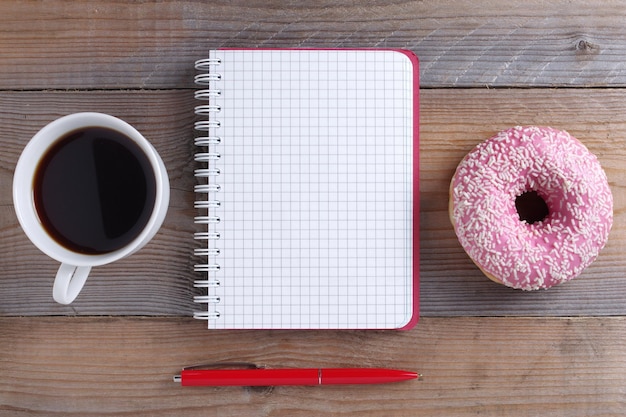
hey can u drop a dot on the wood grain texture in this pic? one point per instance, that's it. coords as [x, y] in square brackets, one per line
[453, 121]
[471, 366]
[112, 44]
[134, 60]
[157, 280]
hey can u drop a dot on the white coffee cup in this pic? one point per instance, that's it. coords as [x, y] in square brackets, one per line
[76, 265]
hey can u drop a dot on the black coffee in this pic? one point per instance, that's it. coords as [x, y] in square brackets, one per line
[94, 190]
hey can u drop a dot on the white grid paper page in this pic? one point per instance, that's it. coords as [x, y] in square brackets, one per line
[315, 189]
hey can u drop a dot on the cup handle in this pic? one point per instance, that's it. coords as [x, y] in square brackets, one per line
[68, 282]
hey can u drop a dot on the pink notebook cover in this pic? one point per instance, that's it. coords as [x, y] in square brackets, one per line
[309, 188]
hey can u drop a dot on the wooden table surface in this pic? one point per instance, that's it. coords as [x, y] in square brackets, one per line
[483, 349]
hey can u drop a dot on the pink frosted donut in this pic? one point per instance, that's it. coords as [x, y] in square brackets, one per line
[531, 207]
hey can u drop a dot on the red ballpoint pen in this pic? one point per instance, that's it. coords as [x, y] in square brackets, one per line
[303, 376]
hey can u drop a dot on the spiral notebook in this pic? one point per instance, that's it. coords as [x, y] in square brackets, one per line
[307, 189]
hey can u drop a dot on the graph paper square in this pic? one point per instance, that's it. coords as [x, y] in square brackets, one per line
[316, 189]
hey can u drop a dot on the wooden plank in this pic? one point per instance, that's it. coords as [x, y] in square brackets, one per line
[157, 280]
[471, 366]
[453, 121]
[109, 44]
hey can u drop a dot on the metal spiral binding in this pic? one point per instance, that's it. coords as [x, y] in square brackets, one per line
[206, 252]
[207, 141]
[207, 172]
[208, 188]
[207, 204]
[207, 156]
[206, 315]
[206, 219]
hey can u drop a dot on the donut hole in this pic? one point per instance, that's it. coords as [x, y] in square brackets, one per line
[531, 207]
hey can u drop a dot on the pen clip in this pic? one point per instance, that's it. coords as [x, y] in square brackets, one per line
[228, 365]
[224, 365]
